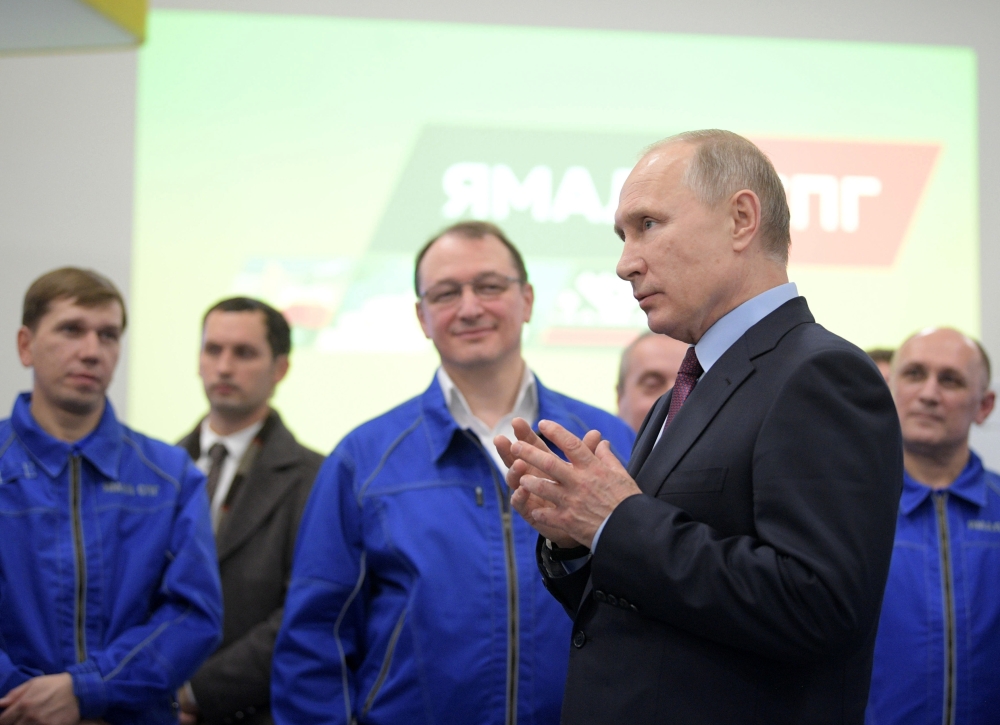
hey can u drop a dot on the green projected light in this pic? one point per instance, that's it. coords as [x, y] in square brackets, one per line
[304, 160]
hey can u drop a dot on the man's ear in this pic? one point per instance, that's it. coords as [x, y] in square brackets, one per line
[280, 368]
[420, 318]
[986, 406]
[24, 338]
[528, 293]
[744, 211]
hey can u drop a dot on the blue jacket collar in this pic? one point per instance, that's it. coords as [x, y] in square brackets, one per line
[101, 447]
[969, 486]
[441, 426]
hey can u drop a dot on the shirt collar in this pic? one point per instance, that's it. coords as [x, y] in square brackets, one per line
[236, 443]
[526, 406]
[101, 447]
[969, 486]
[731, 327]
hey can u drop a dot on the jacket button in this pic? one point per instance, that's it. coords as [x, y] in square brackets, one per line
[579, 639]
[633, 607]
[600, 596]
[239, 715]
[623, 603]
[612, 600]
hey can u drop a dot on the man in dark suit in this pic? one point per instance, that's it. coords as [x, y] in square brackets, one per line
[259, 478]
[734, 572]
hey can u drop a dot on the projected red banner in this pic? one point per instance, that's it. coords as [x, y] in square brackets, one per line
[851, 203]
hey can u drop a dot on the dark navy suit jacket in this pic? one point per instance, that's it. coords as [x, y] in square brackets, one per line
[744, 585]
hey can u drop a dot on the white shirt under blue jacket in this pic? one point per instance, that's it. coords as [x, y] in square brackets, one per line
[415, 595]
[937, 654]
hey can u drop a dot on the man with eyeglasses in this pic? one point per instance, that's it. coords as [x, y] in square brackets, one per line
[415, 595]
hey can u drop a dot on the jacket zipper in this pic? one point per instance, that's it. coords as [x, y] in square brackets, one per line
[513, 612]
[386, 663]
[947, 586]
[76, 522]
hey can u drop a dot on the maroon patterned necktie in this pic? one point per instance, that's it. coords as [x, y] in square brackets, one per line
[687, 376]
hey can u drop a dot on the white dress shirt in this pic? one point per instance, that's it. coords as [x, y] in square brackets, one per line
[526, 407]
[236, 444]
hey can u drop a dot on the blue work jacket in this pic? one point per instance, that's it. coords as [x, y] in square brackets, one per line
[107, 567]
[415, 596]
[937, 654]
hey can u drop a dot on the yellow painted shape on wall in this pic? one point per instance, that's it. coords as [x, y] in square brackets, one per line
[129, 14]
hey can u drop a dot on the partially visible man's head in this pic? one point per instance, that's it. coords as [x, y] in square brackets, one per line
[71, 327]
[244, 355]
[473, 295]
[882, 357]
[702, 215]
[940, 382]
[648, 369]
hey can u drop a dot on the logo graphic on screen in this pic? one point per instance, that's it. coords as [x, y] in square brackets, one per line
[851, 202]
[555, 194]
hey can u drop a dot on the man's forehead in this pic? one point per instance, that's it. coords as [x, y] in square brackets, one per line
[454, 253]
[940, 348]
[660, 349]
[658, 174]
[236, 323]
[67, 308]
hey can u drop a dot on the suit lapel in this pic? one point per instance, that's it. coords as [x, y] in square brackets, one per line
[648, 432]
[708, 396]
[265, 486]
[656, 462]
[192, 443]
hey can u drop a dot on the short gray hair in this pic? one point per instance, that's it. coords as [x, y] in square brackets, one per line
[724, 163]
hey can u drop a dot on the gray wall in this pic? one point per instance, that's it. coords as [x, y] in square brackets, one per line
[66, 122]
[66, 165]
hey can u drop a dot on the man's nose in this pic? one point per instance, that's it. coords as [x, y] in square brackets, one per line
[629, 264]
[469, 304]
[90, 346]
[224, 362]
[930, 392]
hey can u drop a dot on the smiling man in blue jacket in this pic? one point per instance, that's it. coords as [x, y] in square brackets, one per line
[109, 591]
[414, 593]
[939, 634]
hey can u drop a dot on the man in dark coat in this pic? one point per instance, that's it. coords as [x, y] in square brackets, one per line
[734, 572]
[259, 478]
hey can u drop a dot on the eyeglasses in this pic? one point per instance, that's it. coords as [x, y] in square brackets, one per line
[487, 286]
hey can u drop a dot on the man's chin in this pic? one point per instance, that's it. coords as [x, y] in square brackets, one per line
[81, 405]
[921, 443]
[232, 411]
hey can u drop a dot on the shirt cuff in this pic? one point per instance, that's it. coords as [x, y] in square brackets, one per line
[189, 691]
[593, 544]
[88, 686]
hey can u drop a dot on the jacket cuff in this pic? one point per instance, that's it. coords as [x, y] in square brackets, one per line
[88, 686]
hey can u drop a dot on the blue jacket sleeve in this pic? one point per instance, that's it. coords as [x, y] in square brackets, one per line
[148, 662]
[321, 640]
[12, 675]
